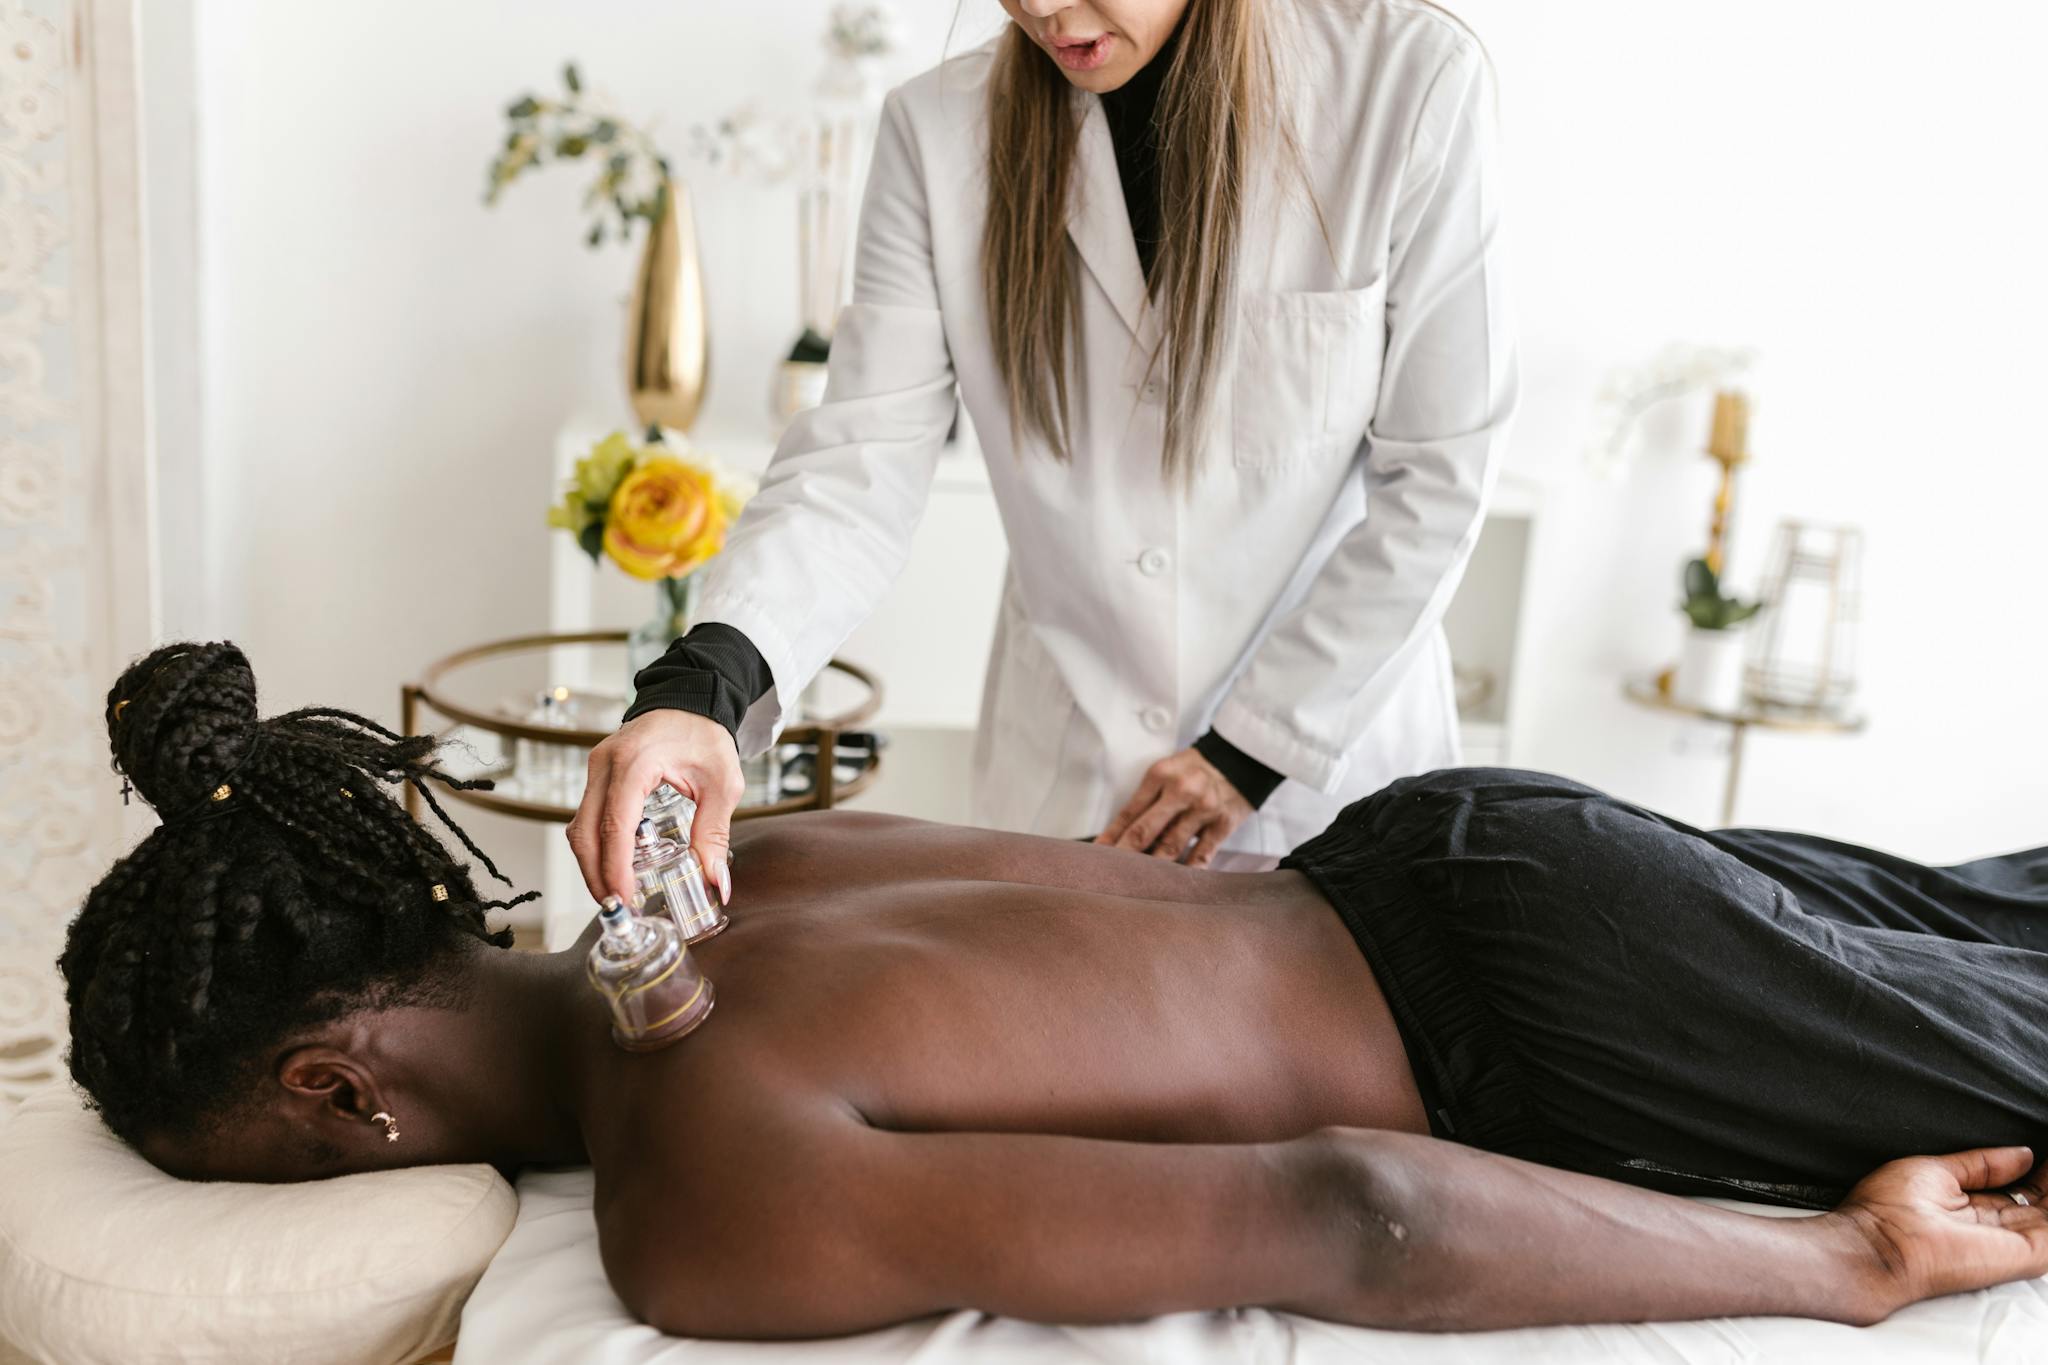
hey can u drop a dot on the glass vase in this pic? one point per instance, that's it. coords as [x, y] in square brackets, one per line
[675, 602]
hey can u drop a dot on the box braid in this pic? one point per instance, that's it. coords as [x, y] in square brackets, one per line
[284, 887]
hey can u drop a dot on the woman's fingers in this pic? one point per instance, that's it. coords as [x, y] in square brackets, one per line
[696, 755]
[1144, 830]
[718, 795]
[1182, 832]
[625, 798]
[1148, 790]
[1204, 851]
[1182, 800]
[582, 831]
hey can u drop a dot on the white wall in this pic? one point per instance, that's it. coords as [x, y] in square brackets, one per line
[1855, 191]
[1846, 188]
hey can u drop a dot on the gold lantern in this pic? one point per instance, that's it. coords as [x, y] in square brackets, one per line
[1802, 653]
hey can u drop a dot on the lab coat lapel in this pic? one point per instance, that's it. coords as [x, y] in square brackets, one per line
[1101, 226]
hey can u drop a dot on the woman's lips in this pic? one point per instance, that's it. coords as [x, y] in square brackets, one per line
[1084, 56]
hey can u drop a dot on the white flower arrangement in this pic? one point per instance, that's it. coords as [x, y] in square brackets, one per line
[856, 31]
[1626, 394]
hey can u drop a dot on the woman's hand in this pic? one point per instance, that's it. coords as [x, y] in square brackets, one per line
[1934, 1225]
[1182, 800]
[692, 753]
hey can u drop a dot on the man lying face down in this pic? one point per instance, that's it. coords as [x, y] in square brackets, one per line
[954, 1069]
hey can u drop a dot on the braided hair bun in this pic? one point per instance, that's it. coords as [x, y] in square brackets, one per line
[284, 887]
[181, 721]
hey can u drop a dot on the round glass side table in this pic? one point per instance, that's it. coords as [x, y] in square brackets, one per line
[508, 714]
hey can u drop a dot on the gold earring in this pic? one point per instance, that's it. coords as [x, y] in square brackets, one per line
[390, 1125]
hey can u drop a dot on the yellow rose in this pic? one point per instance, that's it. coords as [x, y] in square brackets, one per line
[666, 519]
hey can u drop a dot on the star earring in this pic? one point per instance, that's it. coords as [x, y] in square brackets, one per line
[390, 1125]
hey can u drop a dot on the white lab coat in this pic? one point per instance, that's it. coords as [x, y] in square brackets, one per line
[1293, 597]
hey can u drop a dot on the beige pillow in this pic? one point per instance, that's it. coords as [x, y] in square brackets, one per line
[104, 1258]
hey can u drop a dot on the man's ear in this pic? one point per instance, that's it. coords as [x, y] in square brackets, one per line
[332, 1079]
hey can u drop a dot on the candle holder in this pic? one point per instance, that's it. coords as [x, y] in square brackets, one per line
[1728, 446]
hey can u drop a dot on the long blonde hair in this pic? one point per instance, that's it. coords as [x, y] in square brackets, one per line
[1205, 144]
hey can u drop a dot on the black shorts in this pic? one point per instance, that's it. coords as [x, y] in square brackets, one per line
[1761, 1015]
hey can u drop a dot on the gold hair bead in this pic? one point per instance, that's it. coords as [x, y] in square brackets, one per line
[349, 794]
[223, 792]
[440, 892]
[119, 707]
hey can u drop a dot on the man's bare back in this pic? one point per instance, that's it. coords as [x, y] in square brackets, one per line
[933, 979]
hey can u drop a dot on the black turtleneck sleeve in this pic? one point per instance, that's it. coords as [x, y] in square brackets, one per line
[713, 671]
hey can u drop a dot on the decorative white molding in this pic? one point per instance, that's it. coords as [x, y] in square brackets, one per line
[76, 565]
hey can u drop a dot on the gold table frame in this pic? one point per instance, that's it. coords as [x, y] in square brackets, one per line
[1653, 692]
[426, 695]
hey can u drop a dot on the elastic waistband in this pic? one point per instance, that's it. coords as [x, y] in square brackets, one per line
[1471, 1084]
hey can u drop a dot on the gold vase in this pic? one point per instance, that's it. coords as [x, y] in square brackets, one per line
[668, 349]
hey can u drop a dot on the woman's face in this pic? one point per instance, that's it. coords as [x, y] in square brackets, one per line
[1098, 44]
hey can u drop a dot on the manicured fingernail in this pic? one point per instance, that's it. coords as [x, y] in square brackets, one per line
[722, 874]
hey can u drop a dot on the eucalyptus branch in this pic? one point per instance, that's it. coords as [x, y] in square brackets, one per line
[633, 180]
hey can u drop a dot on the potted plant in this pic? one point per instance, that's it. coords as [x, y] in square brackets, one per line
[1709, 672]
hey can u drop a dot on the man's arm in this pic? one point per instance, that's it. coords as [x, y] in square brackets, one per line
[864, 1227]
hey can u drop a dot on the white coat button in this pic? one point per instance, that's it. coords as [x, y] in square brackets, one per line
[1154, 562]
[1157, 719]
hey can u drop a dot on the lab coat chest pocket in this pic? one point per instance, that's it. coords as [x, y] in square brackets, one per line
[1308, 374]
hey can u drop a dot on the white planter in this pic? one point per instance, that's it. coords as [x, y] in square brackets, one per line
[1710, 670]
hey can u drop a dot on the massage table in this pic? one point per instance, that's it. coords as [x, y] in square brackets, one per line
[544, 1300]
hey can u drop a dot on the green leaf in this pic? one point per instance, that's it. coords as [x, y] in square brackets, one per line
[596, 237]
[605, 131]
[572, 78]
[572, 145]
[526, 107]
[1700, 580]
[592, 541]
[811, 347]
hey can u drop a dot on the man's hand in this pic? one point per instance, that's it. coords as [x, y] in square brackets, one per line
[692, 753]
[1945, 1225]
[1182, 800]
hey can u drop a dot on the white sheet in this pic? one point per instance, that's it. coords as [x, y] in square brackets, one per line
[545, 1301]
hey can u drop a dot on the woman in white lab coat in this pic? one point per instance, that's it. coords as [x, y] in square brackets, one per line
[1218, 282]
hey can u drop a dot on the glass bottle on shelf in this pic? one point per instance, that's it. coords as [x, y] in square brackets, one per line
[544, 770]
